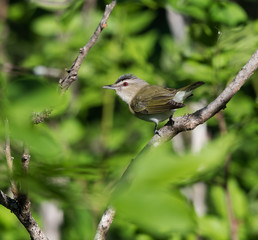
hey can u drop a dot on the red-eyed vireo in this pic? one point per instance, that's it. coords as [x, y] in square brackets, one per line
[151, 102]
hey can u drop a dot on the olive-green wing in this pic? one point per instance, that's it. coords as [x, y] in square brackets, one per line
[154, 99]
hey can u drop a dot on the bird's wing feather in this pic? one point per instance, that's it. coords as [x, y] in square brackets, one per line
[154, 100]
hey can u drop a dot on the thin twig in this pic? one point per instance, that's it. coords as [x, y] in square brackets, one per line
[72, 76]
[9, 159]
[8, 154]
[26, 159]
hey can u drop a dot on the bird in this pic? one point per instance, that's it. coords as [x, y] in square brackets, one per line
[148, 102]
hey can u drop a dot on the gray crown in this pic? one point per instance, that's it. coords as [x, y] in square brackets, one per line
[125, 76]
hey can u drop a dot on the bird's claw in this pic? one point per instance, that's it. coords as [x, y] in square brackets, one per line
[156, 132]
[170, 122]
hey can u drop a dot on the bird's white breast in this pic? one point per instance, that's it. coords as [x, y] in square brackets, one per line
[159, 117]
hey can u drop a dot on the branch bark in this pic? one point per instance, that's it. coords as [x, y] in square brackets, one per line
[20, 204]
[23, 213]
[191, 121]
[72, 76]
[104, 224]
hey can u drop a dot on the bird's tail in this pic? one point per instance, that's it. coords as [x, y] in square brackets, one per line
[191, 87]
[186, 92]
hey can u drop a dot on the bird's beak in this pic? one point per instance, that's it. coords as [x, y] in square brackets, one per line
[109, 87]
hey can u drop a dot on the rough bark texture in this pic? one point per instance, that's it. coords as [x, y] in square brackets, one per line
[21, 208]
[104, 224]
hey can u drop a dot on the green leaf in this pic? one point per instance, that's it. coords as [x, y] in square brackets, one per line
[240, 107]
[47, 97]
[46, 26]
[132, 23]
[71, 131]
[140, 48]
[198, 71]
[157, 211]
[177, 169]
[218, 199]
[238, 199]
[228, 13]
[39, 138]
[16, 11]
[195, 9]
[222, 59]
[213, 226]
[142, 196]
[53, 5]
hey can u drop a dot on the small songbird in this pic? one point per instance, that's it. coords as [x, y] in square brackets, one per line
[151, 102]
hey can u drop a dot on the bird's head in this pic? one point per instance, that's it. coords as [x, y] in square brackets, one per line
[127, 86]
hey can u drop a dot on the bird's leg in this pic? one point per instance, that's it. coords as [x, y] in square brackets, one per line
[155, 129]
[170, 121]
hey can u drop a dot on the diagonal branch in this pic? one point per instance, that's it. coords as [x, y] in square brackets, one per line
[20, 205]
[72, 73]
[72, 76]
[191, 121]
[104, 224]
[24, 215]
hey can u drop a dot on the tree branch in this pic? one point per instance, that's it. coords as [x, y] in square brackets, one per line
[191, 121]
[72, 76]
[20, 204]
[104, 224]
[8, 202]
[24, 215]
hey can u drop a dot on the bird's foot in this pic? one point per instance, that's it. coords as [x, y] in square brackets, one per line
[156, 132]
[155, 129]
[170, 122]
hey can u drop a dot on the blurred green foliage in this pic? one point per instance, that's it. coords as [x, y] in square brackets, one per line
[79, 153]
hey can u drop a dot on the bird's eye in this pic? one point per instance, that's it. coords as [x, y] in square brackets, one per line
[125, 84]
